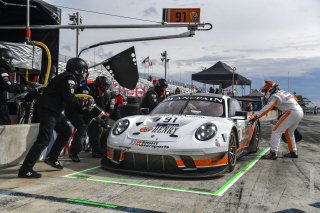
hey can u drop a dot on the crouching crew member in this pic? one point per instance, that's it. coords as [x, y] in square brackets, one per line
[58, 93]
[97, 129]
[292, 115]
[80, 119]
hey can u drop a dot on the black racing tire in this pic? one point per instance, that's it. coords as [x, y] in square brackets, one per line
[255, 140]
[232, 152]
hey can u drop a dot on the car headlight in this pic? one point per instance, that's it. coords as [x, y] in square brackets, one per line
[120, 126]
[206, 131]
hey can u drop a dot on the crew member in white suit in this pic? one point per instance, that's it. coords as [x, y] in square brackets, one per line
[292, 115]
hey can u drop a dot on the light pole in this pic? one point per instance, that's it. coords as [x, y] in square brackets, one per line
[165, 59]
[76, 20]
[233, 70]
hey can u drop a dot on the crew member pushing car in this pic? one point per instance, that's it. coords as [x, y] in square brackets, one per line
[292, 115]
[58, 93]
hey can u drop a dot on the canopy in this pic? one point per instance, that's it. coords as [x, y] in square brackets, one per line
[220, 74]
[13, 12]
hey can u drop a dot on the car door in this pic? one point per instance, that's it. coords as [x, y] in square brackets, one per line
[243, 129]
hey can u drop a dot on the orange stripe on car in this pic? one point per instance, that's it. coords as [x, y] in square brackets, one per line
[110, 154]
[121, 158]
[211, 162]
[290, 147]
[270, 108]
[180, 163]
[250, 133]
[241, 146]
[281, 120]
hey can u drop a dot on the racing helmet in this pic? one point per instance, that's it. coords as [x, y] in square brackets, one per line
[161, 85]
[6, 58]
[79, 68]
[102, 83]
[269, 88]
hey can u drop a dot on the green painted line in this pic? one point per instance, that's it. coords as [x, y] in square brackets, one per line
[242, 171]
[92, 203]
[218, 192]
[150, 186]
[81, 172]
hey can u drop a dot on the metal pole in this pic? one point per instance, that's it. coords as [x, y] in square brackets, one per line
[182, 35]
[233, 70]
[129, 26]
[77, 36]
[28, 32]
[165, 65]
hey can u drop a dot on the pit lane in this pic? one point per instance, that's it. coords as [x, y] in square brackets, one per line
[213, 187]
[267, 186]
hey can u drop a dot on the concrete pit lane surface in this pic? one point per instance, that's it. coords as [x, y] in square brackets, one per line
[256, 185]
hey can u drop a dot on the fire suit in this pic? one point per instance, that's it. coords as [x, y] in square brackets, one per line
[151, 99]
[292, 115]
[58, 94]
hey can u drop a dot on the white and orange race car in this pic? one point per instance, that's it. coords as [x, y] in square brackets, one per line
[188, 135]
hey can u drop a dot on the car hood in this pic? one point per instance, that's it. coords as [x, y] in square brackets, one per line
[167, 128]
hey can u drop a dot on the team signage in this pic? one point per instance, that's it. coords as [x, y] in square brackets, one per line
[181, 15]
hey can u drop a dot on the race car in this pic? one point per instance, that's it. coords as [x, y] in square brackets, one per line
[186, 135]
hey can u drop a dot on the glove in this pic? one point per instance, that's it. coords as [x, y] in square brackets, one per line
[253, 120]
[105, 116]
[103, 120]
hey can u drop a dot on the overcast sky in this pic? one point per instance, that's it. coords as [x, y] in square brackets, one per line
[263, 39]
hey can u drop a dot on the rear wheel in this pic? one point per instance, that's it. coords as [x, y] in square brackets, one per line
[232, 152]
[255, 140]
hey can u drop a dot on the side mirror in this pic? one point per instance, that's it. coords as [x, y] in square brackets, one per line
[240, 115]
[144, 111]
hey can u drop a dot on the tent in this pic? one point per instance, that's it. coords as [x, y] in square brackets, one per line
[220, 74]
[13, 12]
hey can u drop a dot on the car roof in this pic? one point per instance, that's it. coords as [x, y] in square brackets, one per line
[201, 94]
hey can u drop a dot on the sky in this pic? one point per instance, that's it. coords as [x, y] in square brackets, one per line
[263, 39]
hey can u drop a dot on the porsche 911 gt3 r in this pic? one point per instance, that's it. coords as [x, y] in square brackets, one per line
[189, 135]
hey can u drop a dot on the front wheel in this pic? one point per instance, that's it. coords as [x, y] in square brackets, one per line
[232, 152]
[255, 140]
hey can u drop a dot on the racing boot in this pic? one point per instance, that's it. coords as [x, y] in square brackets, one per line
[28, 174]
[54, 163]
[291, 155]
[272, 155]
[74, 157]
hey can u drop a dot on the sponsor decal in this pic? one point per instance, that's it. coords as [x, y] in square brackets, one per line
[165, 129]
[148, 144]
[198, 98]
[146, 129]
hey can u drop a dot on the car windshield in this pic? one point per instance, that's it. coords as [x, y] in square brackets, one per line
[190, 107]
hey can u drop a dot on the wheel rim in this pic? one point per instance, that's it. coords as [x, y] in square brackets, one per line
[232, 150]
